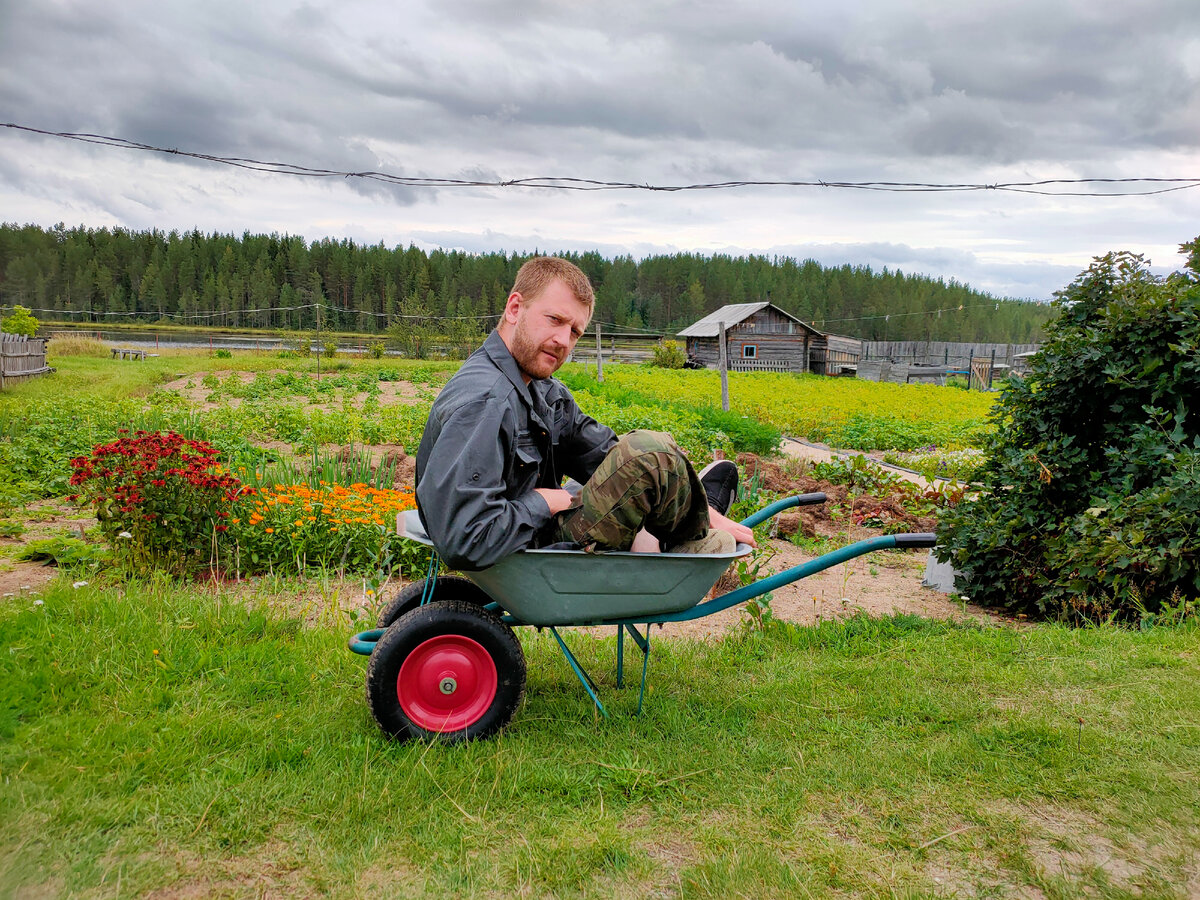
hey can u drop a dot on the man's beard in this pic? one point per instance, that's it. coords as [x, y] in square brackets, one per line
[529, 355]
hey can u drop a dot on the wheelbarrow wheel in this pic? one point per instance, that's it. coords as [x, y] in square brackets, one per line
[449, 587]
[449, 670]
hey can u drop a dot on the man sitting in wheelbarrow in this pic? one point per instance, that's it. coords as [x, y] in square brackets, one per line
[503, 434]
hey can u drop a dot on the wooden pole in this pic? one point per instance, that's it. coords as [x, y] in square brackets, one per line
[724, 364]
[599, 356]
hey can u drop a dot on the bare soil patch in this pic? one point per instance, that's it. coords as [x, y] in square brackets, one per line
[20, 579]
[42, 520]
[879, 584]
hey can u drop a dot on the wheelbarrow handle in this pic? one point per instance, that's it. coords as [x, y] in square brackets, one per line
[780, 505]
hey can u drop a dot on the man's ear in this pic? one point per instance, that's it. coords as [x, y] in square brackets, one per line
[512, 306]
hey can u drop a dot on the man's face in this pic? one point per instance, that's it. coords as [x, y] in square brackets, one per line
[546, 330]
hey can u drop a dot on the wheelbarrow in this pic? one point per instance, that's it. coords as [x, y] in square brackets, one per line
[445, 662]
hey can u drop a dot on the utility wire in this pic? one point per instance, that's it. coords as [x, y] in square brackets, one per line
[570, 183]
[244, 311]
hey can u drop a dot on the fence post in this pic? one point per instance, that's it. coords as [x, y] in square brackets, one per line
[724, 358]
[599, 356]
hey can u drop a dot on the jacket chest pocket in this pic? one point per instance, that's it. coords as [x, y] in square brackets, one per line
[527, 464]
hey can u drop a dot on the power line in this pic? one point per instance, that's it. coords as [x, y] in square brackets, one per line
[244, 311]
[572, 183]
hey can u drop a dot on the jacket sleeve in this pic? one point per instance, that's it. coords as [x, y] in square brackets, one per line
[583, 444]
[461, 492]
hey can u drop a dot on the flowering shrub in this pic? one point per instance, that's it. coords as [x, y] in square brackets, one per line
[159, 497]
[297, 527]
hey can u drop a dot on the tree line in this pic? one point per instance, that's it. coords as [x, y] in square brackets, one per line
[285, 282]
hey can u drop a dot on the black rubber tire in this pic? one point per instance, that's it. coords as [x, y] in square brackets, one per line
[449, 587]
[445, 619]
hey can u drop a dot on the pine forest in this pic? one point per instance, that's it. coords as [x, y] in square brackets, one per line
[283, 282]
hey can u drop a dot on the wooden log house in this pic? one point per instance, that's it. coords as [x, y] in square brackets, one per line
[762, 337]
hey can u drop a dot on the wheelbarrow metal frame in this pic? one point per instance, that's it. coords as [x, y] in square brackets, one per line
[672, 595]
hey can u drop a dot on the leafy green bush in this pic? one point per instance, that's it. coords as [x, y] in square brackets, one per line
[668, 355]
[21, 321]
[222, 353]
[1092, 490]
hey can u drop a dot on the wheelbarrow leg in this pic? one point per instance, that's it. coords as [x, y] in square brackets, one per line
[430, 579]
[620, 656]
[584, 678]
[643, 644]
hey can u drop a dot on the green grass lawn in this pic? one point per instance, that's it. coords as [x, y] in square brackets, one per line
[158, 737]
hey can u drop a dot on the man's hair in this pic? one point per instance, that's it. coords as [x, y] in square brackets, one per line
[538, 272]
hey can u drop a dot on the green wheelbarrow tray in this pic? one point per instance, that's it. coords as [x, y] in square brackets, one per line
[572, 587]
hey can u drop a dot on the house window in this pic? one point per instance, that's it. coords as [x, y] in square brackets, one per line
[749, 351]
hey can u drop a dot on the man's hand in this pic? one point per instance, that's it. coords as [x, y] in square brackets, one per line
[740, 532]
[557, 500]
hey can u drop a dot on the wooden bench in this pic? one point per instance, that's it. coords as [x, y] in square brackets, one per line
[130, 353]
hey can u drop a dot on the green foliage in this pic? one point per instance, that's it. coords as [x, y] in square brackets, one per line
[376, 350]
[329, 349]
[65, 552]
[20, 321]
[669, 355]
[951, 465]
[750, 570]
[1092, 486]
[699, 429]
[222, 353]
[843, 412]
[859, 472]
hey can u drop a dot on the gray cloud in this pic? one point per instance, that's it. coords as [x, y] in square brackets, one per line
[625, 90]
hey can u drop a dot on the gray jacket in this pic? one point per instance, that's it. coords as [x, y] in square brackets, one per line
[490, 440]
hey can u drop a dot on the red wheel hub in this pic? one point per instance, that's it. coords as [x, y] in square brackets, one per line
[446, 683]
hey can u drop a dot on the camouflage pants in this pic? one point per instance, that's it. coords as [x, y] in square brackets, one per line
[645, 481]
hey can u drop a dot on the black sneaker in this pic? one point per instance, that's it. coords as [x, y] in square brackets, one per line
[720, 484]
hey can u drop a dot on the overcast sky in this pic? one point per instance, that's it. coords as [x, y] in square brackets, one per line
[647, 92]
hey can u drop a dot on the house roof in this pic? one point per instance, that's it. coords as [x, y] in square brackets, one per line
[733, 314]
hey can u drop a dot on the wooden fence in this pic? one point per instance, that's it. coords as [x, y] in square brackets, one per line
[21, 357]
[951, 354]
[762, 365]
